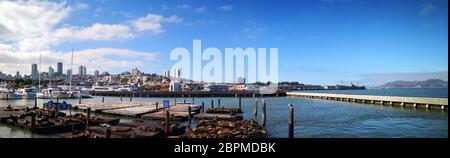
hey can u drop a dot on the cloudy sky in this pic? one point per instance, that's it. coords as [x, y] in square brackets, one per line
[320, 41]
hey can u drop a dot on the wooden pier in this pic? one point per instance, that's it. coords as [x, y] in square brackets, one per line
[415, 102]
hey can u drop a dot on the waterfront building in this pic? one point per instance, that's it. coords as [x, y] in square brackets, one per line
[174, 86]
[96, 74]
[51, 71]
[34, 72]
[240, 80]
[80, 70]
[217, 88]
[60, 69]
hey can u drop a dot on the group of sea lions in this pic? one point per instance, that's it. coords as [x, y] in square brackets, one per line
[227, 129]
[223, 110]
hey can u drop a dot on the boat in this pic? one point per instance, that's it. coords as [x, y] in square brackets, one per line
[54, 92]
[6, 93]
[27, 93]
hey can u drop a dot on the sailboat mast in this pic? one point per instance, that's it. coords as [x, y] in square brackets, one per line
[70, 77]
[39, 73]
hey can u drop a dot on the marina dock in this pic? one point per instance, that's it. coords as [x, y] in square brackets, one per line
[415, 102]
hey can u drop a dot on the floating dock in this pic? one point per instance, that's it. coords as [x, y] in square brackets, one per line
[100, 107]
[415, 102]
[135, 111]
[14, 111]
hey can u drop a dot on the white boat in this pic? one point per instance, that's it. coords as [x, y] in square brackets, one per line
[27, 93]
[53, 93]
[101, 88]
[6, 92]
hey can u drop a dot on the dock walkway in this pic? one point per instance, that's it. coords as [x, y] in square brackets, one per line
[416, 102]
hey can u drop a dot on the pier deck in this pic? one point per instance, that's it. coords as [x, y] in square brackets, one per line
[135, 111]
[416, 102]
[99, 107]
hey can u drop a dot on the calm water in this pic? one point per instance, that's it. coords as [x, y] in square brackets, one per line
[321, 118]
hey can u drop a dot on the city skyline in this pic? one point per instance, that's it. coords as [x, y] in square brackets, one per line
[391, 40]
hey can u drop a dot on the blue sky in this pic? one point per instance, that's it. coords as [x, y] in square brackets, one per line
[319, 42]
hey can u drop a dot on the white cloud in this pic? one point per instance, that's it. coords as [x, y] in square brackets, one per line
[5, 47]
[95, 32]
[184, 6]
[426, 9]
[226, 8]
[200, 10]
[153, 23]
[30, 28]
[30, 25]
[81, 6]
[24, 19]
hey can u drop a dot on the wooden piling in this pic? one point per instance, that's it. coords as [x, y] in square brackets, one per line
[157, 107]
[264, 113]
[240, 102]
[190, 114]
[255, 109]
[291, 121]
[212, 103]
[192, 102]
[218, 104]
[121, 99]
[33, 122]
[35, 102]
[88, 117]
[79, 100]
[203, 107]
[103, 99]
[131, 98]
[167, 122]
[107, 132]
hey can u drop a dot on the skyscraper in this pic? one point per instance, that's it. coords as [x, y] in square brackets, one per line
[60, 68]
[96, 73]
[51, 71]
[84, 71]
[17, 75]
[34, 71]
[80, 70]
[69, 73]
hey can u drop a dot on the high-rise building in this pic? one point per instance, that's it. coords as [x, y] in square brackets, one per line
[96, 73]
[17, 75]
[69, 73]
[60, 68]
[80, 70]
[34, 72]
[84, 71]
[51, 71]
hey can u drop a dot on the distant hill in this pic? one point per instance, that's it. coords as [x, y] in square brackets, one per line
[431, 83]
